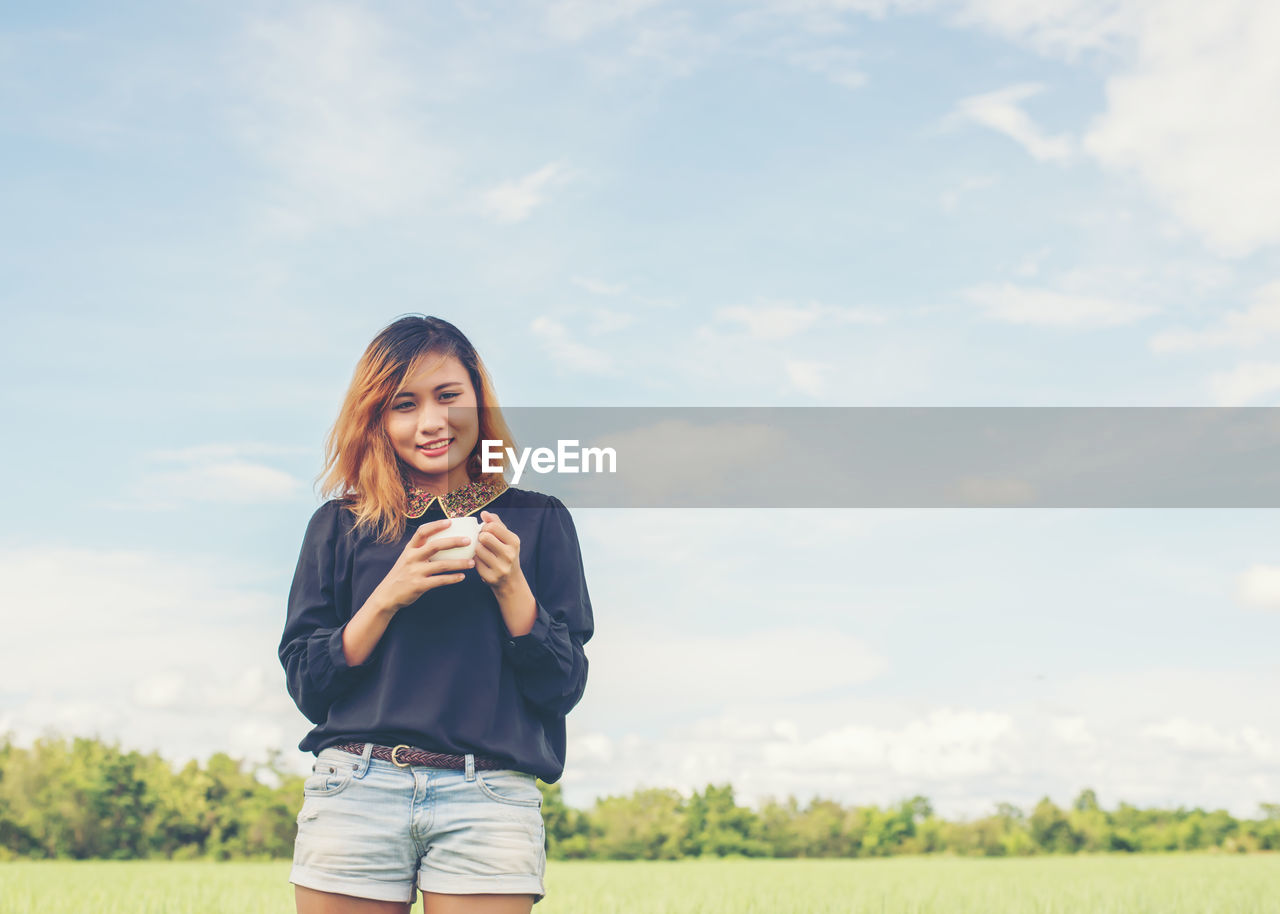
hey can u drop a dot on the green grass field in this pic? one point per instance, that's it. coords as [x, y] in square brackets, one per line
[1173, 884]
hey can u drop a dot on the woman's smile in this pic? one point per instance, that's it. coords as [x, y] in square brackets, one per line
[435, 448]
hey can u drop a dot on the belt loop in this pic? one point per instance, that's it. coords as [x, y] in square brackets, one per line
[471, 767]
[363, 765]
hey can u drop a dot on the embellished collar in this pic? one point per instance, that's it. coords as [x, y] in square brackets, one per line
[458, 503]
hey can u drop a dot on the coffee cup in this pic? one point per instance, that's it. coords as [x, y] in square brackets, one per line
[458, 526]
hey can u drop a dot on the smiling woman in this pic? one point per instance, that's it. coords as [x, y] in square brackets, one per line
[433, 425]
[409, 378]
[438, 685]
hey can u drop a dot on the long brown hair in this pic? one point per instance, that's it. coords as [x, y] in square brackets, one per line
[361, 465]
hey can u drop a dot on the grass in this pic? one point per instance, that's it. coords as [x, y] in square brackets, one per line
[1164, 884]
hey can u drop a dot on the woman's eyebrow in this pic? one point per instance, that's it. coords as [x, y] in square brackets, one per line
[409, 393]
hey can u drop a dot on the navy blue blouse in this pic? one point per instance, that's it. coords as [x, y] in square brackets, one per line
[446, 675]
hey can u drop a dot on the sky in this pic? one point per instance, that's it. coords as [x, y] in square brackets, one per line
[209, 209]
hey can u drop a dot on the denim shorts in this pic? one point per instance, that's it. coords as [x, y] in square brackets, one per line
[372, 829]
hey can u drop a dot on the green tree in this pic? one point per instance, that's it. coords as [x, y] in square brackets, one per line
[568, 829]
[1087, 801]
[1051, 830]
[1267, 830]
[1093, 829]
[718, 827]
[778, 827]
[821, 830]
[81, 798]
[648, 825]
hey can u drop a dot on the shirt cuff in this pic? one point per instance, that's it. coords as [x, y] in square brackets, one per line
[338, 657]
[522, 649]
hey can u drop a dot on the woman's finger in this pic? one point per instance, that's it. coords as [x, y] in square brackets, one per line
[508, 544]
[493, 561]
[440, 580]
[493, 522]
[497, 547]
[501, 533]
[441, 566]
[445, 542]
[420, 535]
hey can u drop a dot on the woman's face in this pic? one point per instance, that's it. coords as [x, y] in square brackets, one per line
[419, 415]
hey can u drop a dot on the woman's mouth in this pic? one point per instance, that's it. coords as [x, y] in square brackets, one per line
[435, 448]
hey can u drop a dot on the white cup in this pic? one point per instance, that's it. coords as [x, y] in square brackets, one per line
[458, 526]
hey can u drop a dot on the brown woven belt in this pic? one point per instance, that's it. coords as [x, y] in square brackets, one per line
[404, 756]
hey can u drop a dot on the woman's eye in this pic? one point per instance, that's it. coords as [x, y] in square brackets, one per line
[408, 403]
[450, 394]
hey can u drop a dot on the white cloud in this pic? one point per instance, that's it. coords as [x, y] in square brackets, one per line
[514, 201]
[250, 739]
[621, 534]
[202, 453]
[948, 200]
[939, 752]
[1044, 307]
[229, 481]
[1193, 118]
[1189, 113]
[249, 688]
[670, 41]
[159, 690]
[946, 743]
[1246, 383]
[1198, 738]
[120, 621]
[573, 20]
[1260, 586]
[598, 287]
[1189, 108]
[780, 319]
[838, 64]
[567, 352]
[210, 473]
[1030, 264]
[709, 670]
[1153, 737]
[1247, 328]
[1060, 28]
[1074, 731]
[740, 360]
[605, 320]
[1000, 111]
[592, 748]
[806, 376]
[328, 106]
[1057, 28]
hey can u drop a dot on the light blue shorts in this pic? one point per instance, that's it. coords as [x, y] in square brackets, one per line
[372, 829]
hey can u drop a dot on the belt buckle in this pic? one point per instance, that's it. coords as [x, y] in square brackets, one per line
[393, 756]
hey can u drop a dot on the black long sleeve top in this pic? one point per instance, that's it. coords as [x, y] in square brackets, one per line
[447, 675]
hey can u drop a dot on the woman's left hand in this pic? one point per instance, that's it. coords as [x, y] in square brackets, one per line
[497, 553]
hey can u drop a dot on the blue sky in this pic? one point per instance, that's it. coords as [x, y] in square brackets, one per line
[211, 208]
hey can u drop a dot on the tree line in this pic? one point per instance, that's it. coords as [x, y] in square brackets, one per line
[84, 799]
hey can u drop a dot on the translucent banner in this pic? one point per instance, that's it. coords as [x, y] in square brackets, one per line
[896, 457]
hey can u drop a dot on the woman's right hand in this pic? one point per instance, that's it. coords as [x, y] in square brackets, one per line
[416, 571]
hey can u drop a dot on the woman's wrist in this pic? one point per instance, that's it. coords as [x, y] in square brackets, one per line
[519, 608]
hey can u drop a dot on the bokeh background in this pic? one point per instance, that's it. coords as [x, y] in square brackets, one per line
[210, 208]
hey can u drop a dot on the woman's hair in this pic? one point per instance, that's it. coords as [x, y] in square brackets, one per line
[361, 465]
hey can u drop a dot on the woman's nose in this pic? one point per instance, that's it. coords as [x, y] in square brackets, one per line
[433, 420]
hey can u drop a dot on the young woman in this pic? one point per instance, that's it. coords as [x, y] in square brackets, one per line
[438, 687]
